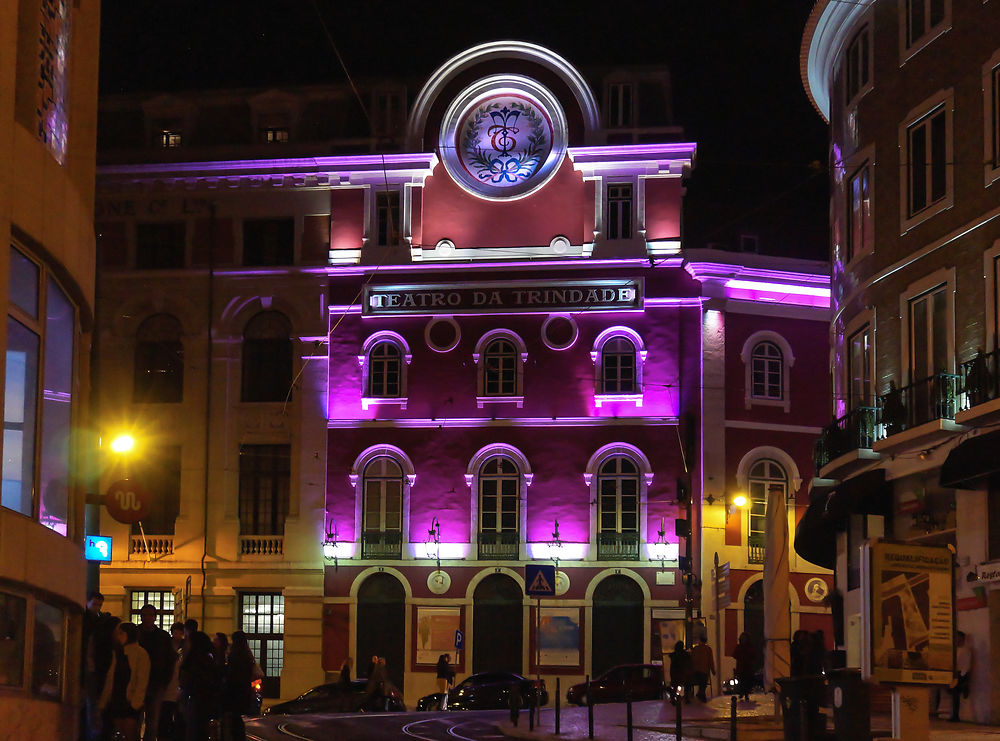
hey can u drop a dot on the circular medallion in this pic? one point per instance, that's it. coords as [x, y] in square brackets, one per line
[442, 334]
[438, 581]
[816, 589]
[559, 331]
[562, 583]
[503, 137]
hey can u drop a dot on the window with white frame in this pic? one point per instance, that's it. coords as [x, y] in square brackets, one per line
[262, 618]
[382, 525]
[620, 106]
[859, 368]
[499, 368]
[276, 135]
[618, 366]
[928, 333]
[994, 93]
[385, 370]
[763, 475]
[767, 372]
[857, 64]
[618, 496]
[860, 229]
[619, 208]
[991, 118]
[161, 599]
[926, 143]
[387, 218]
[499, 492]
[922, 21]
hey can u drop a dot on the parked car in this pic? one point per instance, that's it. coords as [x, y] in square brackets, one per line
[338, 698]
[487, 691]
[635, 681]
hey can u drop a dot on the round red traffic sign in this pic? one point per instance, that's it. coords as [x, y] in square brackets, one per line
[127, 501]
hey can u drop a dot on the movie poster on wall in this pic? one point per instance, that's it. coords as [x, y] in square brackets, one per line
[559, 636]
[436, 628]
[911, 626]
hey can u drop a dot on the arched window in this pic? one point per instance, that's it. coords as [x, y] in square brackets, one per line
[267, 357]
[618, 367]
[385, 370]
[499, 508]
[763, 475]
[767, 376]
[382, 526]
[500, 368]
[618, 509]
[159, 361]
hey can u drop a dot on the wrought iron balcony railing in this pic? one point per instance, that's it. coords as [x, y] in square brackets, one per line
[494, 546]
[980, 379]
[920, 402]
[854, 431]
[382, 544]
[618, 546]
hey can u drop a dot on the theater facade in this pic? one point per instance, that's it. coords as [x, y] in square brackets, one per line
[411, 372]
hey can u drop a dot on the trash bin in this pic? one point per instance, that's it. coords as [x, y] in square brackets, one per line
[852, 718]
[798, 695]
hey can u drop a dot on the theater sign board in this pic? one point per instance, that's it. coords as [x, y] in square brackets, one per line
[522, 297]
[910, 629]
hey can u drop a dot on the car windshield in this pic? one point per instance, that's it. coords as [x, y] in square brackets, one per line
[316, 692]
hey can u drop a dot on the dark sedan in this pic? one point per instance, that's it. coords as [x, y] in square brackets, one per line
[340, 698]
[629, 681]
[488, 691]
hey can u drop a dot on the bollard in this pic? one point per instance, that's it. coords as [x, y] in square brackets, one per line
[628, 714]
[531, 712]
[590, 710]
[679, 703]
[804, 729]
[557, 705]
[732, 718]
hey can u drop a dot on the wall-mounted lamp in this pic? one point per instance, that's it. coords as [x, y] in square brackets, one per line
[555, 545]
[737, 502]
[330, 541]
[434, 537]
[661, 542]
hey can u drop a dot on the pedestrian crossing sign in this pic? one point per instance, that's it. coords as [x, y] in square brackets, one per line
[539, 580]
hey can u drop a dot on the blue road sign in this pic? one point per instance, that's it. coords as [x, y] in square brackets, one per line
[539, 580]
[459, 640]
[97, 548]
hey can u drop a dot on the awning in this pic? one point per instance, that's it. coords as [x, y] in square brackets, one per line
[971, 461]
[828, 512]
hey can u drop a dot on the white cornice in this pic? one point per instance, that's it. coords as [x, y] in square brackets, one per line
[824, 36]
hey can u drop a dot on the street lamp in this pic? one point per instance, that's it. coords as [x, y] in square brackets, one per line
[434, 536]
[123, 443]
[737, 502]
[330, 541]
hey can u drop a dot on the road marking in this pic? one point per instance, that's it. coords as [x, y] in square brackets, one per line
[408, 732]
[283, 729]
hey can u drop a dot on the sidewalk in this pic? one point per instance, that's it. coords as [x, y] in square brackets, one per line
[656, 721]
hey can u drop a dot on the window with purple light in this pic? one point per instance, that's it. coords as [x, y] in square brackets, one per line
[382, 509]
[499, 513]
[500, 369]
[859, 368]
[860, 231]
[618, 366]
[385, 370]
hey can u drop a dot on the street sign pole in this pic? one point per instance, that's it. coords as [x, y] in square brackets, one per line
[718, 628]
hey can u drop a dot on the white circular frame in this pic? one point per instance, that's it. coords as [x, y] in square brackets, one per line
[430, 326]
[472, 96]
[555, 346]
[438, 582]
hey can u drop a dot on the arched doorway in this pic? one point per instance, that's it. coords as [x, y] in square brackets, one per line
[616, 637]
[753, 619]
[497, 628]
[381, 625]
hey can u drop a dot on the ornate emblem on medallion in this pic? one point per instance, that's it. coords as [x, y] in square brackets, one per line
[503, 137]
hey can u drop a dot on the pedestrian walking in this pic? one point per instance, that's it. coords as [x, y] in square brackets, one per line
[162, 657]
[680, 673]
[799, 657]
[963, 674]
[702, 666]
[745, 654]
[128, 680]
[237, 688]
[445, 678]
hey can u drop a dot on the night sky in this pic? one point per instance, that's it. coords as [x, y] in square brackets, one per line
[762, 149]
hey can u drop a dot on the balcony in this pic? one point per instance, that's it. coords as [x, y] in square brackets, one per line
[618, 546]
[854, 431]
[755, 548]
[980, 379]
[494, 546]
[918, 403]
[153, 546]
[262, 546]
[382, 544]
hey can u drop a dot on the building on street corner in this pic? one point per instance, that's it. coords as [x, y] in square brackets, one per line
[377, 374]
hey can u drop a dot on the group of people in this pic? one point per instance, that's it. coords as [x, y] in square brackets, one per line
[166, 686]
[691, 669]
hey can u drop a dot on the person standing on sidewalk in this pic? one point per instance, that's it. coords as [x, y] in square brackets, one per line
[702, 666]
[162, 657]
[963, 673]
[746, 663]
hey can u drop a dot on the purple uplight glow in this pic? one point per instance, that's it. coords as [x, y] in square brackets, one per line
[778, 293]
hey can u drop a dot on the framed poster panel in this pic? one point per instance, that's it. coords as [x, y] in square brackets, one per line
[910, 630]
[435, 634]
[559, 636]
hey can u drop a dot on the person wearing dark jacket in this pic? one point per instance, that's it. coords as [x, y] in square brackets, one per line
[101, 650]
[345, 671]
[237, 690]
[746, 664]
[680, 672]
[162, 657]
[200, 681]
[128, 679]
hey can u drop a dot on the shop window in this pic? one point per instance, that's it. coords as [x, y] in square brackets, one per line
[268, 242]
[162, 599]
[262, 618]
[265, 482]
[159, 361]
[267, 358]
[160, 245]
[38, 395]
[619, 211]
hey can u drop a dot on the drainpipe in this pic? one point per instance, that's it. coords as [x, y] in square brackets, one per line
[209, 313]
